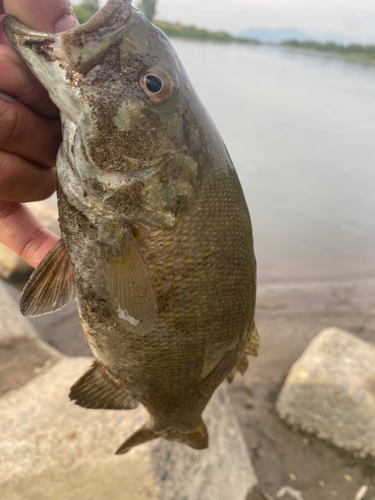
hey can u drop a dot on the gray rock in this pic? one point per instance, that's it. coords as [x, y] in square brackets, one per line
[51, 448]
[12, 267]
[22, 355]
[330, 391]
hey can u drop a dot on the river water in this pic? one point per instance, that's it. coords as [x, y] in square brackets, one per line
[301, 131]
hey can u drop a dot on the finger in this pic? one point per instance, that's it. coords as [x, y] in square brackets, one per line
[27, 134]
[17, 81]
[21, 180]
[3, 39]
[42, 15]
[23, 233]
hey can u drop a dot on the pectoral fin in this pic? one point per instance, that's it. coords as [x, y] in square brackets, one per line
[51, 286]
[97, 391]
[132, 294]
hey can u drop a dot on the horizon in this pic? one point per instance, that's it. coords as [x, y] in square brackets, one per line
[312, 17]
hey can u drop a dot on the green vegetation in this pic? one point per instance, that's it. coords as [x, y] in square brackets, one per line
[193, 33]
[85, 10]
[148, 7]
[362, 52]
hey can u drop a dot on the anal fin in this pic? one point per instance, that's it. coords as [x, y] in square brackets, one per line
[96, 390]
[51, 286]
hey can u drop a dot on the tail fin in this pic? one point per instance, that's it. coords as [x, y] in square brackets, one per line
[142, 435]
[196, 438]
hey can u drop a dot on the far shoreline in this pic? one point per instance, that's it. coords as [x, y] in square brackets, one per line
[354, 52]
[351, 52]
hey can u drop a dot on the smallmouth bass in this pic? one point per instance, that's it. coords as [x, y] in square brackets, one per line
[156, 243]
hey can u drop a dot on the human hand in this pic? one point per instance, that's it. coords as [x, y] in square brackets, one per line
[30, 132]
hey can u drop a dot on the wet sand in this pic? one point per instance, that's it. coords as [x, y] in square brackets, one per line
[289, 315]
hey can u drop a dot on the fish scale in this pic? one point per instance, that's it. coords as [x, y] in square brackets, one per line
[156, 241]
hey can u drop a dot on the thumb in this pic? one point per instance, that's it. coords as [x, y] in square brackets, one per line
[42, 15]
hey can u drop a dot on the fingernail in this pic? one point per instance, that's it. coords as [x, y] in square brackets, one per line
[66, 23]
[6, 97]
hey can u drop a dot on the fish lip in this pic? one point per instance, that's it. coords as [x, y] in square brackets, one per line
[16, 31]
[81, 47]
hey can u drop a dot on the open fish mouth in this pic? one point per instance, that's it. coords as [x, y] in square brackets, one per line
[81, 48]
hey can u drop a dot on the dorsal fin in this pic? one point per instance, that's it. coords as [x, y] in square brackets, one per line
[97, 390]
[252, 346]
[129, 284]
[251, 349]
[241, 367]
[51, 286]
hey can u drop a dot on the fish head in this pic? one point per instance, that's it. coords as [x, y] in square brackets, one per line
[126, 105]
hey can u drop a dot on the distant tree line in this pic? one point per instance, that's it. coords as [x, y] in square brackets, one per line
[87, 8]
[178, 30]
[357, 50]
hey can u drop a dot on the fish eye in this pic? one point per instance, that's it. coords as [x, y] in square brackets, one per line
[156, 84]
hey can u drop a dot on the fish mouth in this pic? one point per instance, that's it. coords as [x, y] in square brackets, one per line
[81, 48]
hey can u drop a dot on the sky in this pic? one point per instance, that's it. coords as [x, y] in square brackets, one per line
[355, 18]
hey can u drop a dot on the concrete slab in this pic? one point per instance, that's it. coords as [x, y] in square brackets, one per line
[330, 391]
[22, 354]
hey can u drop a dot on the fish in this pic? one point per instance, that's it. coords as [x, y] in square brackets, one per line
[156, 239]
